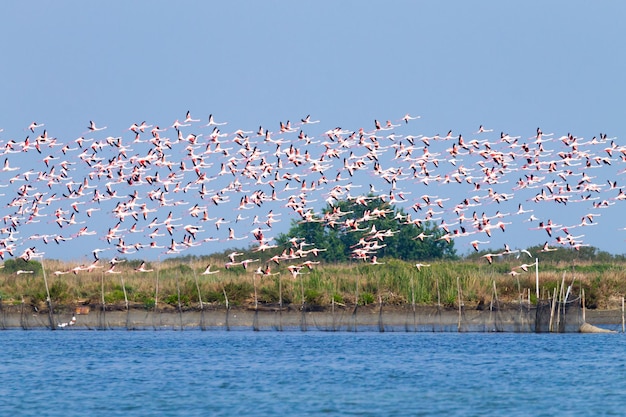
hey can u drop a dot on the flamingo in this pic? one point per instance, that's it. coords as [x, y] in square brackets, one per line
[189, 119]
[112, 165]
[422, 236]
[115, 260]
[212, 122]
[142, 268]
[96, 251]
[231, 235]
[112, 270]
[307, 120]
[475, 244]
[525, 267]
[295, 270]
[34, 125]
[6, 167]
[92, 127]
[546, 248]
[207, 270]
[309, 264]
[407, 117]
[489, 256]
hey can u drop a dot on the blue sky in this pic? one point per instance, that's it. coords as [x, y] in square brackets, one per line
[510, 67]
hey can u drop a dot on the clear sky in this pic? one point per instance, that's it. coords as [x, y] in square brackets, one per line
[510, 66]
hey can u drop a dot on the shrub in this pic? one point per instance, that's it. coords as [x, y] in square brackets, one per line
[313, 297]
[366, 298]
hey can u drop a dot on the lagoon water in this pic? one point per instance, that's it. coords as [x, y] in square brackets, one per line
[207, 373]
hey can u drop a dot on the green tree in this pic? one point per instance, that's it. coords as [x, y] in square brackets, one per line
[11, 266]
[350, 224]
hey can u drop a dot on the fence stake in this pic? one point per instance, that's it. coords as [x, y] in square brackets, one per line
[622, 314]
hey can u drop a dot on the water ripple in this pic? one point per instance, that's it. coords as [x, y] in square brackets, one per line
[117, 373]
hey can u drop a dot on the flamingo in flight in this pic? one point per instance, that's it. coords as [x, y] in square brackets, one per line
[408, 117]
[34, 125]
[207, 270]
[212, 122]
[92, 127]
[143, 268]
[156, 174]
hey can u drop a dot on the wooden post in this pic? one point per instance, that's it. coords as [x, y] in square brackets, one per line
[332, 309]
[156, 289]
[280, 293]
[583, 304]
[227, 308]
[125, 301]
[3, 324]
[302, 291]
[103, 304]
[48, 299]
[560, 299]
[356, 293]
[255, 320]
[22, 320]
[180, 307]
[356, 302]
[335, 290]
[537, 277]
[558, 309]
[438, 294]
[256, 299]
[280, 303]
[495, 292]
[413, 304]
[381, 326]
[195, 277]
[552, 310]
[125, 295]
[102, 290]
[438, 305]
[303, 325]
[495, 296]
[458, 285]
[412, 295]
[623, 315]
[564, 295]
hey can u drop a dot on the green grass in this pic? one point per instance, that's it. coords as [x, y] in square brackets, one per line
[396, 282]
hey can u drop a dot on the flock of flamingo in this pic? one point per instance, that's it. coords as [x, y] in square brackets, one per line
[197, 183]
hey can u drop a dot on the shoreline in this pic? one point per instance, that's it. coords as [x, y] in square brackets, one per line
[363, 318]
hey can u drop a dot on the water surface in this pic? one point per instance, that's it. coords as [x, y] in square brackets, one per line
[196, 373]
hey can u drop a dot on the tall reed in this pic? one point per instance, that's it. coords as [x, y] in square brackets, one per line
[181, 286]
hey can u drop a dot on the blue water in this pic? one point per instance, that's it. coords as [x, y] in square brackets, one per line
[195, 373]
